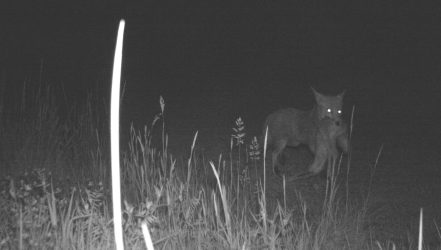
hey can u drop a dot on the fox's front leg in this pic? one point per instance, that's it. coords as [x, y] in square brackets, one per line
[343, 142]
[320, 157]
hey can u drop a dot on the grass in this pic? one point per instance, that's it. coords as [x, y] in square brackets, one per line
[56, 195]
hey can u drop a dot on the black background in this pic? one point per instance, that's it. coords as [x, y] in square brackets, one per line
[244, 58]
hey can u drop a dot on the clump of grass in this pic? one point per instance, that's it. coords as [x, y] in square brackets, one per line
[37, 134]
[40, 217]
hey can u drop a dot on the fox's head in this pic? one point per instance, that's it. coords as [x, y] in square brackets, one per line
[330, 106]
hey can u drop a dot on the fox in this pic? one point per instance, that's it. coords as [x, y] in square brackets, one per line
[322, 129]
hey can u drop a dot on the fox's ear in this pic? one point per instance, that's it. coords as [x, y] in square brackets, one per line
[317, 95]
[342, 94]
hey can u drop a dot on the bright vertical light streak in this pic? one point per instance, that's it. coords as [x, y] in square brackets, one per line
[114, 138]
[420, 235]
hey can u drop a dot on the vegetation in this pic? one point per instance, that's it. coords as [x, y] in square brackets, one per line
[58, 197]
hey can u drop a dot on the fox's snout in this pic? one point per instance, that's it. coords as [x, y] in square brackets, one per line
[335, 120]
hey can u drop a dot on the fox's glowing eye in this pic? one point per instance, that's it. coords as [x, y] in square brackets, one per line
[339, 111]
[329, 110]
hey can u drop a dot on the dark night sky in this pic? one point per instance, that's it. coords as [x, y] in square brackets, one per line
[386, 54]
